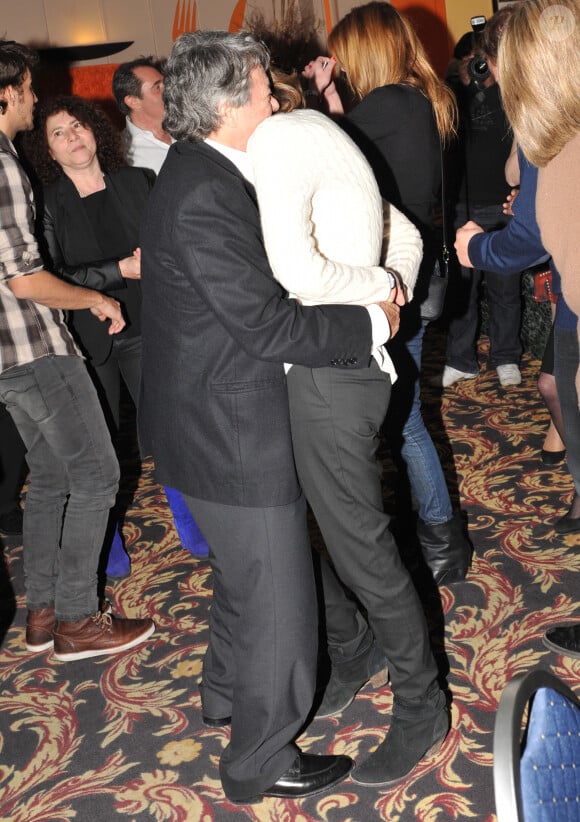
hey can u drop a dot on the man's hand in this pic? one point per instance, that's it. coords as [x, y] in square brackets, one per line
[392, 313]
[44, 288]
[507, 207]
[130, 267]
[462, 238]
[109, 309]
[462, 69]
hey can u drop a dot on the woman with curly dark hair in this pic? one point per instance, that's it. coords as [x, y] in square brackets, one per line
[108, 140]
[92, 211]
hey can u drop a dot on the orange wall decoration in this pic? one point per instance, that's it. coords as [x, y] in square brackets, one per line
[238, 15]
[328, 16]
[96, 83]
[428, 16]
[430, 20]
[93, 82]
[185, 18]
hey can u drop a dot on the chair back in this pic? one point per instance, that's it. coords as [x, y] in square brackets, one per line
[542, 782]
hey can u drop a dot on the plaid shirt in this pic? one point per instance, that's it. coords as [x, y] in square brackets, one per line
[28, 330]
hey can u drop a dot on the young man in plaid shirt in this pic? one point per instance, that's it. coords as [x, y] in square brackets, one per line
[47, 390]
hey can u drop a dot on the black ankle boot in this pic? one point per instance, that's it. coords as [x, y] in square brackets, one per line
[446, 549]
[348, 677]
[418, 728]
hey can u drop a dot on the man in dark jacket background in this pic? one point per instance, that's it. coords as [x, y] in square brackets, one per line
[484, 146]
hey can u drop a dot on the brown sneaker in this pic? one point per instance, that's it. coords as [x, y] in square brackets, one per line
[39, 629]
[98, 635]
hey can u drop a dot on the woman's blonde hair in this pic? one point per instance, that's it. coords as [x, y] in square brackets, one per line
[287, 89]
[377, 46]
[539, 73]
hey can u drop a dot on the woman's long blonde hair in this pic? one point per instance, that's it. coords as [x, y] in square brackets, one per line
[539, 73]
[377, 46]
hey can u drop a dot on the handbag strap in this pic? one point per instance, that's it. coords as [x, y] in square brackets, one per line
[445, 248]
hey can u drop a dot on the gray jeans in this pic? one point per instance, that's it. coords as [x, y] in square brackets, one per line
[73, 481]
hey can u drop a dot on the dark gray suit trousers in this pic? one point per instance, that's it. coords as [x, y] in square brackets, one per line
[260, 665]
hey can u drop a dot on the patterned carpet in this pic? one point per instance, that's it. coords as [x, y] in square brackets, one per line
[122, 738]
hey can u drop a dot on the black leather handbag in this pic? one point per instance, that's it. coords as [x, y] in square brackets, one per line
[432, 305]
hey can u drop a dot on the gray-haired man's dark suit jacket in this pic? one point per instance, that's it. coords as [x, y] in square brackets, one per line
[216, 330]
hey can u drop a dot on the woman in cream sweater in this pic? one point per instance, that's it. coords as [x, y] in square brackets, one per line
[322, 219]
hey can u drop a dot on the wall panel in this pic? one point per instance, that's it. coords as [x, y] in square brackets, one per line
[69, 21]
[212, 15]
[130, 20]
[459, 13]
[24, 22]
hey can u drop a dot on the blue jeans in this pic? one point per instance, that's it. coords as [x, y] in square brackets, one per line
[74, 476]
[504, 300]
[421, 458]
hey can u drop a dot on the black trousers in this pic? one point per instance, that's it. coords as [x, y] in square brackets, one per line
[566, 358]
[504, 300]
[124, 362]
[336, 416]
[260, 665]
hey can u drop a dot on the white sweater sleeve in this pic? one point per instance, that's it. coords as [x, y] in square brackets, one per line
[404, 247]
[298, 179]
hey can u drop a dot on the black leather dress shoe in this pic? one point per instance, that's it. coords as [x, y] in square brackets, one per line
[216, 721]
[309, 774]
[567, 524]
[564, 639]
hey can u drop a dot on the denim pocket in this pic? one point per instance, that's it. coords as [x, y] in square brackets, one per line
[21, 392]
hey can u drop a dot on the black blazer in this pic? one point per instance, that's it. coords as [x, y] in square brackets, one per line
[217, 328]
[74, 250]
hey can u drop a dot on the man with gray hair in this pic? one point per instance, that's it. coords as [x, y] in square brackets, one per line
[214, 410]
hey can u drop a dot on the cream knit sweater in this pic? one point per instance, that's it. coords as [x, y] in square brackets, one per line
[322, 214]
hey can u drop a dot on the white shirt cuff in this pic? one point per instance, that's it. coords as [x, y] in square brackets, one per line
[381, 329]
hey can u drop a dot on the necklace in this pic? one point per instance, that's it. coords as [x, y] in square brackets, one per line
[83, 193]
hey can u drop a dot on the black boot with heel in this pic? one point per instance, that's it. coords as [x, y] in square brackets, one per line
[446, 549]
